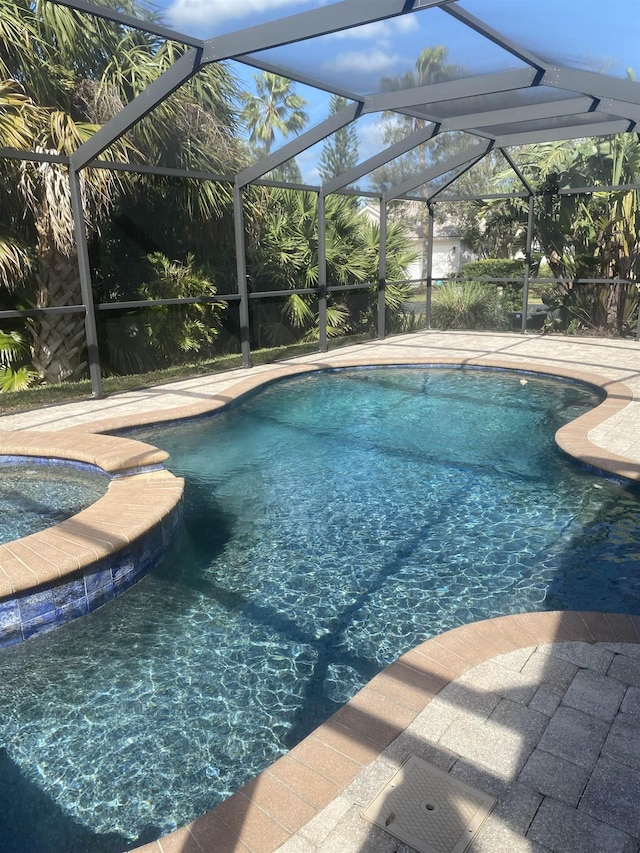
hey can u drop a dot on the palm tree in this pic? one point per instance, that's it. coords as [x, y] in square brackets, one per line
[18, 116]
[430, 68]
[283, 255]
[77, 72]
[275, 108]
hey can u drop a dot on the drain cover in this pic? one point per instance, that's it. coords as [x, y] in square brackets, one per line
[429, 809]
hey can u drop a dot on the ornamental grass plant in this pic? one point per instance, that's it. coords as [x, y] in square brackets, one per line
[467, 305]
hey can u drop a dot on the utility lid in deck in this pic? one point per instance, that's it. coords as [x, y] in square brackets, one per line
[429, 809]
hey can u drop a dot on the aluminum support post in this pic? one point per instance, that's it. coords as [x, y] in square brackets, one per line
[527, 266]
[322, 274]
[432, 216]
[241, 267]
[84, 270]
[382, 272]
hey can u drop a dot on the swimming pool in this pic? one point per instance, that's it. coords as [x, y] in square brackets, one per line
[34, 497]
[314, 552]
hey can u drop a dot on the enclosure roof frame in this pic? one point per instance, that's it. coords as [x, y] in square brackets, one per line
[616, 101]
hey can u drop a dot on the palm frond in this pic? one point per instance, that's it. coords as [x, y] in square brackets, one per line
[12, 347]
[16, 380]
[298, 311]
[19, 116]
[15, 261]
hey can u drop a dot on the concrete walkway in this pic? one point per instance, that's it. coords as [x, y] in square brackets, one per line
[540, 710]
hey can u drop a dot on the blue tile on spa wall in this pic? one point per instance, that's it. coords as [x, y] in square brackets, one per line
[72, 610]
[9, 615]
[39, 626]
[68, 592]
[139, 571]
[122, 564]
[98, 578]
[101, 596]
[124, 581]
[10, 624]
[36, 605]
[42, 611]
[10, 635]
[152, 544]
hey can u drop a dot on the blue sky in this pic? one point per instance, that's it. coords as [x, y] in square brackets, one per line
[588, 34]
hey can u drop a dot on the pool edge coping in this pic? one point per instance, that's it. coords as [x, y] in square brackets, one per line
[279, 802]
[376, 713]
[572, 438]
[104, 526]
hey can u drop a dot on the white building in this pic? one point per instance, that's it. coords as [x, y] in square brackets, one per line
[449, 252]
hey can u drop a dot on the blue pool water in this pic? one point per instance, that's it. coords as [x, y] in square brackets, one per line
[34, 497]
[331, 522]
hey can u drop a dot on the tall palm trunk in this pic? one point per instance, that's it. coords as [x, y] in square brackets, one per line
[58, 347]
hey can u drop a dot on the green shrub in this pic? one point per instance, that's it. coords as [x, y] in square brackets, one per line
[494, 269]
[467, 305]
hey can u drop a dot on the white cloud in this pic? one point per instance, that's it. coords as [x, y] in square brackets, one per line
[364, 61]
[187, 14]
[381, 31]
[369, 136]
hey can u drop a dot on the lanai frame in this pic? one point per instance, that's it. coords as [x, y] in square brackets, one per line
[601, 106]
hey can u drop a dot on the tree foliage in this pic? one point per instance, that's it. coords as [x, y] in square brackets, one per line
[62, 76]
[590, 235]
[340, 152]
[15, 375]
[431, 67]
[504, 275]
[274, 109]
[283, 255]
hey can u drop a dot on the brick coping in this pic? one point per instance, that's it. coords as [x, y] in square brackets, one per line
[572, 438]
[270, 809]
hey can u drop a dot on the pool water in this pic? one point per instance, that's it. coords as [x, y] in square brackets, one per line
[331, 522]
[34, 497]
